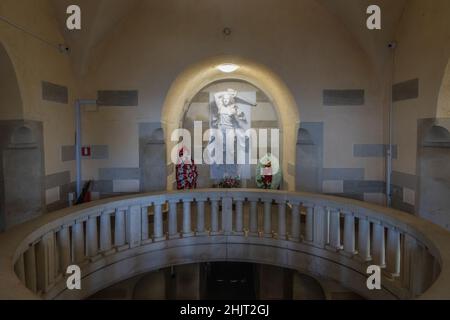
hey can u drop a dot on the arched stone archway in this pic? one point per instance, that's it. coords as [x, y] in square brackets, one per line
[11, 108]
[199, 75]
[443, 106]
[21, 153]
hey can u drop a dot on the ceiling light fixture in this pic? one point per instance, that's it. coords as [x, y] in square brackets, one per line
[228, 67]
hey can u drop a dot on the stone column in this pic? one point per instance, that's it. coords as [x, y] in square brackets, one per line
[92, 236]
[173, 216]
[49, 241]
[268, 218]
[78, 242]
[282, 220]
[158, 232]
[320, 226]
[254, 217]
[239, 216]
[214, 216]
[309, 231]
[364, 239]
[295, 223]
[119, 229]
[379, 253]
[227, 214]
[200, 216]
[187, 229]
[145, 235]
[335, 229]
[19, 269]
[30, 269]
[134, 226]
[64, 248]
[349, 234]
[393, 252]
[105, 232]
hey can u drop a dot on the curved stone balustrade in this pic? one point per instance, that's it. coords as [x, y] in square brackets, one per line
[115, 239]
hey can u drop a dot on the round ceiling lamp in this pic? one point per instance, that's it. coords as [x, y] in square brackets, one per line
[228, 67]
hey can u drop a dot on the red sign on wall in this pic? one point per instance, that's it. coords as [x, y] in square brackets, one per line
[86, 151]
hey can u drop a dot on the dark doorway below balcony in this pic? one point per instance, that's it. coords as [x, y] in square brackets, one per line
[230, 281]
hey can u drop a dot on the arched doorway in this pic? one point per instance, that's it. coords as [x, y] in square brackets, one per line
[202, 74]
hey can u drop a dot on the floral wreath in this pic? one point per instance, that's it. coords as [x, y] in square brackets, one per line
[186, 170]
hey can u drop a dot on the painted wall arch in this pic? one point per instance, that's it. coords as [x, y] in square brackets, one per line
[198, 76]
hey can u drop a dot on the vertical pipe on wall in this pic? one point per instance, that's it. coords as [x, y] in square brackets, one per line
[78, 144]
[78, 139]
[392, 46]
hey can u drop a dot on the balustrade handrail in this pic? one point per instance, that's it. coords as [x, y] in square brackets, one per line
[414, 253]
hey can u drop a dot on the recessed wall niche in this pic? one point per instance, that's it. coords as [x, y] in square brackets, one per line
[21, 172]
[263, 116]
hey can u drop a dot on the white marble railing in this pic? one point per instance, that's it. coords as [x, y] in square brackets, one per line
[413, 253]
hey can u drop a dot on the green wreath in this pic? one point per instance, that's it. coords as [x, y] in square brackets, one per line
[268, 173]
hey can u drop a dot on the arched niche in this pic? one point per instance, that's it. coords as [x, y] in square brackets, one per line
[437, 136]
[152, 159]
[22, 136]
[11, 107]
[263, 118]
[308, 168]
[200, 75]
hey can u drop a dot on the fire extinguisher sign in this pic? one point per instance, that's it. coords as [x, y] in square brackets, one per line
[86, 151]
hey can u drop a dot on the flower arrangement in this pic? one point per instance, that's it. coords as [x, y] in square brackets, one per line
[230, 182]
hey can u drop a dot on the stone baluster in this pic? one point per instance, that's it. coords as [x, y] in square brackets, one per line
[158, 232]
[268, 218]
[173, 219]
[49, 241]
[309, 230]
[407, 261]
[227, 214]
[119, 229]
[145, 236]
[64, 248]
[349, 234]
[335, 229]
[45, 262]
[282, 220]
[187, 228]
[134, 226]
[295, 221]
[30, 269]
[19, 269]
[105, 232]
[200, 216]
[393, 252]
[320, 226]
[78, 242]
[253, 216]
[364, 239]
[92, 236]
[214, 216]
[379, 250]
[239, 216]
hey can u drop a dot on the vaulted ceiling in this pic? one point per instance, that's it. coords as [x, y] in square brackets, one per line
[101, 16]
[98, 19]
